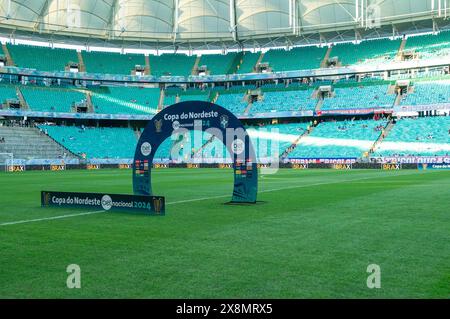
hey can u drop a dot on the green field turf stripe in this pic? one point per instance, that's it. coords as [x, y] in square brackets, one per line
[198, 199]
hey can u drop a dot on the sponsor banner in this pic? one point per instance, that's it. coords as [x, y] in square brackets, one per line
[300, 166]
[322, 160]
[354, 111]
[425, 166]
[342, 166]
[391, 167]
[92, 166]
[16, 168]
[147, 205]
[125, 166]
[160, 165]
[421, 108]
[57, 167]
[21, 113]
[225, 166]
[276, 114]
[413, 159]
[192, 165]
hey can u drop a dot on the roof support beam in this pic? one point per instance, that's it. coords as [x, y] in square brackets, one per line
[40, 19]
[233, 22]
[111, 21]
[176, 14]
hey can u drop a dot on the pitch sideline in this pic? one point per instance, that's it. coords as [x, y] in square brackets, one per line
[26, 221]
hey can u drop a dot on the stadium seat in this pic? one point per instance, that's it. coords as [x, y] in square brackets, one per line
[430, 46]
[28, 143]
[375, 96]
[125, 100]
[95, 142]
[51, 99]
[372, 51]
[301, 58]
[218, 63]
[428, 92]
[234, 102]
[427, 136]
[111, 63]
[249, 60]
[171, 64]
[284, 100]
[42, 58]
[343, 139]
[7, 92]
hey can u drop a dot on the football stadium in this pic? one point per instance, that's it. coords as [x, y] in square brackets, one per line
[225, 149]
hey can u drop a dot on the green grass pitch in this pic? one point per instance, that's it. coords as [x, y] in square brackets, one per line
[313, 236]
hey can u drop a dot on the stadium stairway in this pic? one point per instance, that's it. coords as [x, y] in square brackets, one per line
[319, 104]
[324, 62]
[215, 97]
[294, 145]
[30, 143]
[148, 68]
[23, 103]
[195, 66]
[398, 99]
[81, 65]
[89, 103]
[197, 153]
[138, 134]
[162, 96]
[248, 108]
[382, 136]
[236, 63]
[400, 50]
[261, 57]
[9, 59]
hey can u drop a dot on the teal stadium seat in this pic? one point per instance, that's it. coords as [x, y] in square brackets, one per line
[182, 147]
[184, 96]
[7, 92]
[111, 63]
[370, 51]
[171, 64]
[41, 58]
[234, 102]
[269, 141]
[249, 60]
[126, 100]
[302, 58]
[430, 46]
[96, 143]
[51, 100]
[218, 63]
[284, 101]
[375, 96]
[429, 92]
[345, 139]
[427, 136]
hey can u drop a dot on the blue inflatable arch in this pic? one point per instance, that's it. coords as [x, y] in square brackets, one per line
[204, 116]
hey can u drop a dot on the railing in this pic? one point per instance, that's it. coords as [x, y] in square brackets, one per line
[338, 71]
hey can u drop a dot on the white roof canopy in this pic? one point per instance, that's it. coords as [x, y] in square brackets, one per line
[207, 20]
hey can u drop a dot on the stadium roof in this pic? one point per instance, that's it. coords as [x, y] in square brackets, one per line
[216, 23]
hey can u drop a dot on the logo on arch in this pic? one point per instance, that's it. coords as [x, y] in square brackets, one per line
[238, 146]
[146, 149]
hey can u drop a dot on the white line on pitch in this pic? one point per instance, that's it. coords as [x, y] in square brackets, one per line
[51, 218]
[193, 200]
